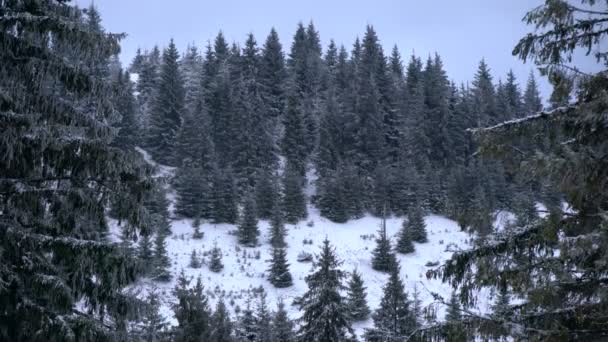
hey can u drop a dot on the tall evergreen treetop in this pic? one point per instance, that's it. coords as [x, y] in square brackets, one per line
[167, 109]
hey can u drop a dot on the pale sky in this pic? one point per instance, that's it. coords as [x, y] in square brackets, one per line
[462, 32]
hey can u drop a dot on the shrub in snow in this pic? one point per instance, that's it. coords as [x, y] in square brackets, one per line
[304, 257]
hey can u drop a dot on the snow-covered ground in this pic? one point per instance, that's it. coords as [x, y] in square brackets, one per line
[245, 268]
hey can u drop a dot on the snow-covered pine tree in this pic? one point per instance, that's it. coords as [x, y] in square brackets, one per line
[561, 291]
[167, 110]
[263, 318]
[145, 254]
[282, 325]
[324, 311]
[532, 101]
[195, 261]
[266, 193]
[278, 271]
[215, 260]
[191, 70]
[404, 241]
[191, 311]
[293, 143]
[161, 262]
[416, 224]
[154, 326]
[191, 189]
[196, 224]
[393, 320]
[53, 230]
[294, 199]
[220, 324]
[277, 227]
[223, 197]
[248, 230]
[246, 330]
[383, 258]
[273, 75]
[129, 130]
[356, 298]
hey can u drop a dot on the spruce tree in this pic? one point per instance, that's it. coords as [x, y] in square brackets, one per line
[404, 241]
[154, 325]
[568, 135]
[196, 224]
[145, 253]
[277, 228]
[161, 263]
[191, 311]
[383, 258]
[248, 230]
[58, 173]
[532, 101]
[195, 262]
[294, 199]
[356, 298]
[223, 197]
[266, 194]
[167, 109]
[263, 318]
[278, 272]
[324, 310]
[221, 325]
[282, 325]
[416, 224]
[393, 320]
[191, 190]
[273, 75]
[129, 127]
[247, 324]
[293, 143]
[215, 260]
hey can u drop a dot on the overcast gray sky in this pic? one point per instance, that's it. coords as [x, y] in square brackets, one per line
[462, 32]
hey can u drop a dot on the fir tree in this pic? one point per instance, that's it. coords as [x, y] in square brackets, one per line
[196, 224]
[58, 173]
[278, 272]
[393, 320]
[356, 298]
[263, 318]
[145, 253]
[266, 194]
[191, 190]
[167, 110]
[191, 311]
[194, 260]
[277, 228]
[416, 225]
[247, 325]
[383, 258]
[282, 326]
[129, 128]
[324, 310]
[224, 198]
[532, 101]
[153, 323]
[404, 242]
[248, 230]
[215, 261]
[161, 262]
[221, 325]
[293, 144]
[294, 199]
[273, 74]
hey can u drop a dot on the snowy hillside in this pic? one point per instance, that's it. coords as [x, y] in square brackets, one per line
[245, 268]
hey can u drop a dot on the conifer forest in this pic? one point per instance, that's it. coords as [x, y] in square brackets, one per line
[301, 189]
